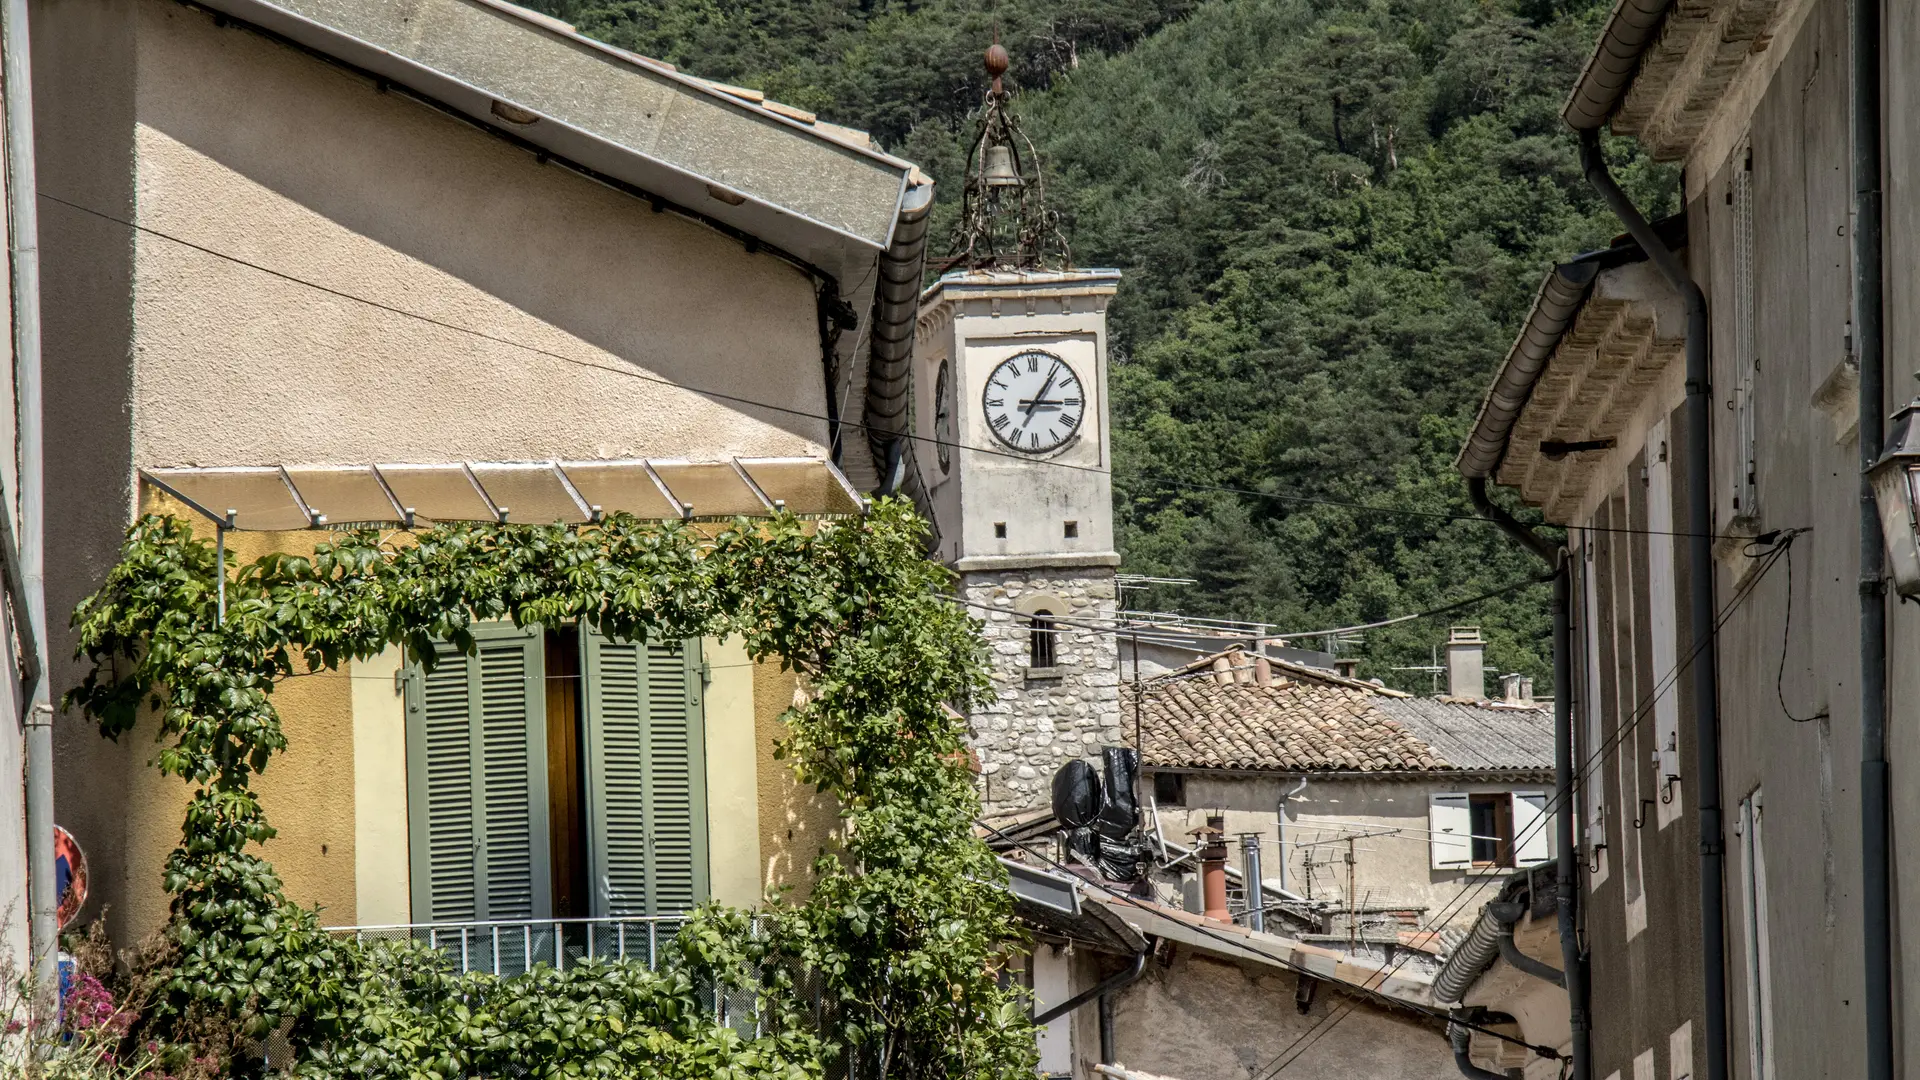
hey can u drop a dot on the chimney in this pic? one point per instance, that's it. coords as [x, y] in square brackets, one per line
[1526, 689]
[1348, 667]
[1515, 688]
[1262, 671]
[1466, 663]
[1222, 669]
[1211, 842]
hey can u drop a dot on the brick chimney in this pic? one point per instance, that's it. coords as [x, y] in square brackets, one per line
[1466, 663]
[1211, 840]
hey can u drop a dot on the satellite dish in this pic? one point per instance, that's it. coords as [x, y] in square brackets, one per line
[1077, 797]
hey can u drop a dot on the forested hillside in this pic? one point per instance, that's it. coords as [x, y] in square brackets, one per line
[1332, 217]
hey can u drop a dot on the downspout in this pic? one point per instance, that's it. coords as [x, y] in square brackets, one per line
[1281, 829]
[1700, 572]
[896, 310]
[23, 230]
[1869, 340]
[1505, 913]
[1125, 977]
[1566, 865]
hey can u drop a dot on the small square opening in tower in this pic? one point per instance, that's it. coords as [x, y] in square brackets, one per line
[999, 530]
[1073, 530]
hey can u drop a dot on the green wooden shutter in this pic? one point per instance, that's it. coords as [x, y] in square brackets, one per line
[477, 780]
[646, 776]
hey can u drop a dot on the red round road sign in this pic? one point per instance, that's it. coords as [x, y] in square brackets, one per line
[69, 875]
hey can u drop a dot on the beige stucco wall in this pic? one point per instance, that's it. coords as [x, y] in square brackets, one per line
[733, 791]
[381, 868]
[265, 154]
[1393, 868]
[1203, 1017]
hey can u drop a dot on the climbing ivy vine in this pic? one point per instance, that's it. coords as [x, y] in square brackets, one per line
[897, 943]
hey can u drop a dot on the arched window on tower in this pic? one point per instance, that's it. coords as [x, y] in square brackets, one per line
[1040, 639]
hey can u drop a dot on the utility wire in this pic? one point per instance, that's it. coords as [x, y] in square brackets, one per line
[1578, 781]
[845, 424]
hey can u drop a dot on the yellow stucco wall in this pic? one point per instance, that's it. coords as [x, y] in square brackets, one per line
[796, 822]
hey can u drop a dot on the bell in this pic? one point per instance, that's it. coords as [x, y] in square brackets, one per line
[1000, 171]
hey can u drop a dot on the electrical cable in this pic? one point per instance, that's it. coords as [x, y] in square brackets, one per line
[1785, 541]
[1554, 805]
[1163, 480]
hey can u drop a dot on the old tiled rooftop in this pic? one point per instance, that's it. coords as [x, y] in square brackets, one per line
[1301, 726]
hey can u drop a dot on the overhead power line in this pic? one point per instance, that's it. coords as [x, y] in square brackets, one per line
[737, 399]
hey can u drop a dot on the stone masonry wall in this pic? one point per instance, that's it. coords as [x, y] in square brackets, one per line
[1038, 723]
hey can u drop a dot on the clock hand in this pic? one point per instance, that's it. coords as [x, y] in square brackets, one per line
[1052, 374]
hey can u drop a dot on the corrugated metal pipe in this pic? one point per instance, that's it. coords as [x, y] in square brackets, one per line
[1469, 960]
[1868, 331]
[1461, 1038]
[1700, 585]
[896, 309]
[1566, 866]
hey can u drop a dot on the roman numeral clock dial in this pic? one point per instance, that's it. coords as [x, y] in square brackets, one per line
[1034, 402]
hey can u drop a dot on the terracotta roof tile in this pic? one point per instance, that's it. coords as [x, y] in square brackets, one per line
[1203, 724]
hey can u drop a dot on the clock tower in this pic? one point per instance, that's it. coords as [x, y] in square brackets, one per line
[1010, 392]
[1012, 396]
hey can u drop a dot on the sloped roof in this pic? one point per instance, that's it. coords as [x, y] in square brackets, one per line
[1470, 735]
[1198, 723]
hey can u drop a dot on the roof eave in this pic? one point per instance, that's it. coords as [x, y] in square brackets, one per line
[1610, 70]
[1556, 305]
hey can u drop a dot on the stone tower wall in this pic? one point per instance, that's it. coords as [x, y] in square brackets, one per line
[1035, 724]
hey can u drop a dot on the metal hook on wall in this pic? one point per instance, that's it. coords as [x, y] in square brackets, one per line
[1641, 820]
[1593, 861]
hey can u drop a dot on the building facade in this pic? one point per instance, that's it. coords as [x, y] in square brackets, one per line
[1754, 101]
[309, 264]
[1378, 816]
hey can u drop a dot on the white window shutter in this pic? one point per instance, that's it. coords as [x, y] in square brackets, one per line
[1530, 828]
[1451, 837]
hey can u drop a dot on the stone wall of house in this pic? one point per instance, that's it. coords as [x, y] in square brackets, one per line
[1040, 719]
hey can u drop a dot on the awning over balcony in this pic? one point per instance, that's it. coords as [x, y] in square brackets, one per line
[275, 498]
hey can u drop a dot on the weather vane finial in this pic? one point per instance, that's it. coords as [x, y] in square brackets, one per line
[1004, 219]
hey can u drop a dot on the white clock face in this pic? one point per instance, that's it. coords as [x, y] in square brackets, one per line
[1034, 402]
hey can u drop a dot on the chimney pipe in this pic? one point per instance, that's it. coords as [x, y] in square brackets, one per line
[1250, 875]
[1262, 671]
[1511, 688]
[1466, 663]
[1222, 669]
[1211, 840]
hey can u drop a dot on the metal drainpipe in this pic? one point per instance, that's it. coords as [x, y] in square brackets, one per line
[1869, 341]
[1281, 827]
[1700, 573]
[1566, 865]
[1250, 880]
[23, 231]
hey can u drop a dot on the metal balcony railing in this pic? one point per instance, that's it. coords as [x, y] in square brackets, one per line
[513, 946]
